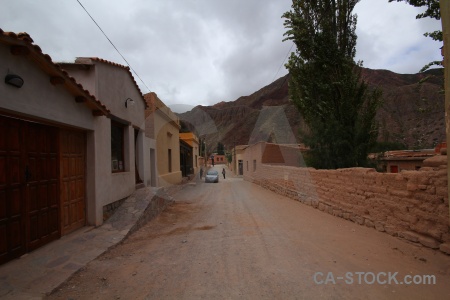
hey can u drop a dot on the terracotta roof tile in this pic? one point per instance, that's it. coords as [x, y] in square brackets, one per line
[109, 62]
[24, 39]
[404, 154]
[37, 48]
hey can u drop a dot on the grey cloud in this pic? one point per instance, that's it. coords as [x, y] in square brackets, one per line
[207, 51]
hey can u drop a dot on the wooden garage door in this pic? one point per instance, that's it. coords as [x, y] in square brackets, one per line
[41, 184]
[12, 193]
[30, 210]
[73, 145]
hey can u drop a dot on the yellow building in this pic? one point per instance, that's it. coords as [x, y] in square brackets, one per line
[164, 126]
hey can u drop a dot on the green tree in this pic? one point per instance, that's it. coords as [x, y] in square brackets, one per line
[229, 157]
[432, 11]
[184, 127]
[220, 149]
[202, 147]
[326, 84]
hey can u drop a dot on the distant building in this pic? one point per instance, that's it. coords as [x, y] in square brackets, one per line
[238, 159]
[269, 153]
[219, 159]
[398, 160]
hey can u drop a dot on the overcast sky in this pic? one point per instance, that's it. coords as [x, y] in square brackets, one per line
[206, 51]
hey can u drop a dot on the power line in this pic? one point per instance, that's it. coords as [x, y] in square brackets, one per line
[282, 63]
[114, 46]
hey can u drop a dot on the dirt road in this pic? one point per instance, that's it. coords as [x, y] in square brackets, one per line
[235, 240]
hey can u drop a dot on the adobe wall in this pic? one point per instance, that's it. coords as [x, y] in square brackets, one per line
[411, 204]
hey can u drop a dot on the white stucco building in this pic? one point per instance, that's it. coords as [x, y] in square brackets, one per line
[121, 148]
[72, 142]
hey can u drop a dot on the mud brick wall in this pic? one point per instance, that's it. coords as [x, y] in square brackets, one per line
[411, 204]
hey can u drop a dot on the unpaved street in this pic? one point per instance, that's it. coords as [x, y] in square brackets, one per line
[235, 240]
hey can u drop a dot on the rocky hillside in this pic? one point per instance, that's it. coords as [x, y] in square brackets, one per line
[412, 113]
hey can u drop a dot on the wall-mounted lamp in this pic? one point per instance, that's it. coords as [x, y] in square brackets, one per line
[129, 100]
[14, 80]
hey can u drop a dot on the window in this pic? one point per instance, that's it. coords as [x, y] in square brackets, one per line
[170, 160]
[117, 147]
[254, 165]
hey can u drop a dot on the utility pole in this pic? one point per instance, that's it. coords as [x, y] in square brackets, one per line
[445, 19]
[203, 147]
[206, 162]
[234, 158]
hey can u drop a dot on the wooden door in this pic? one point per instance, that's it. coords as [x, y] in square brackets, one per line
[73, 191]
[42, 184]
[12, 193]
[29, 186]
[394, 169]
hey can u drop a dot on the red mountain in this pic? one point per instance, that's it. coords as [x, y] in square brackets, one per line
[412, 112]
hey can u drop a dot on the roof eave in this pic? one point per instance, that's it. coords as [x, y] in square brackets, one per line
[56, 74]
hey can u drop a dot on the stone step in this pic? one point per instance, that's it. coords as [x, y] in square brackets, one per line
[140, 186]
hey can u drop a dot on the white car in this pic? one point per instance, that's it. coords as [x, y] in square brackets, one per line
[212, 176]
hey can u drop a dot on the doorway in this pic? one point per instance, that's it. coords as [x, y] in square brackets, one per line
[241, 167]
[36, 175]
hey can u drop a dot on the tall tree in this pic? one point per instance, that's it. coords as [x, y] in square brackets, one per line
[202, 147]
[432, 10]
[220, 148]
[326, 84]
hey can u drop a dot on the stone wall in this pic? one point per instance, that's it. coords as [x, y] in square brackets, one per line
[157, 204]
[111, 208]
[411, 204]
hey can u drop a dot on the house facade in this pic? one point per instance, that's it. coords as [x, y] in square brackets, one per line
[398, 160]
[54, 177]
[120, 148]
[252, 156]
[73, 143]
[238, 159]
[219, 159]
[164, 126]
